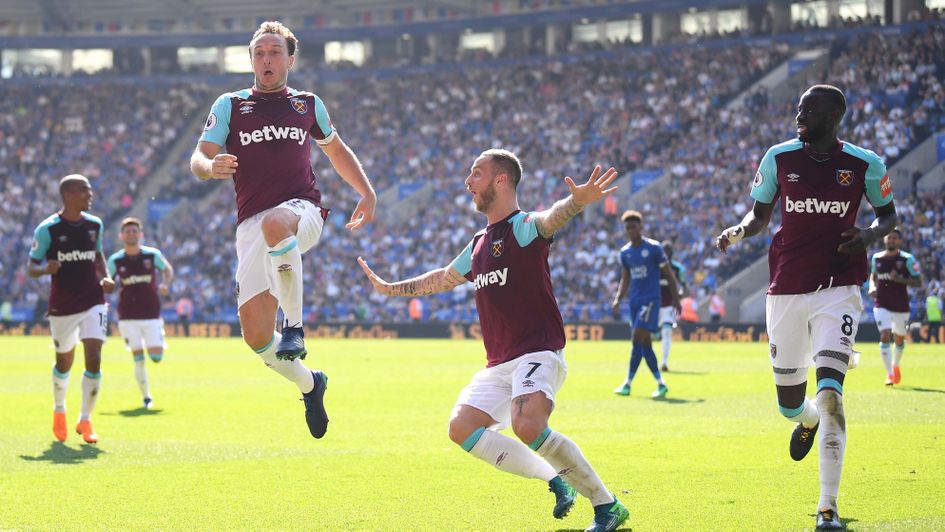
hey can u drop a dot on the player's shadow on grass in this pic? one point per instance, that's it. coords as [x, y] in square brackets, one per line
[679, 372]
[678, 400]
[846, 520]
[135, 412]
[60, 453]
[916, 389]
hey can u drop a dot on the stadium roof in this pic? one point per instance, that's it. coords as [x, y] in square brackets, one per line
[63, 13]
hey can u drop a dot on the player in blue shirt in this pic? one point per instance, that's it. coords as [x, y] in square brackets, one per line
[643, 264]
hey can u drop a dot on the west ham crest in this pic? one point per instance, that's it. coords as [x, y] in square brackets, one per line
[845, 177]
[147, 264]
[497, 248]
[93, 234]
[299, 105]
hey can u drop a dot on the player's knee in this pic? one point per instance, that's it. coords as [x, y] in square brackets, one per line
[528, 430]
[884, 336]
[276, 226]
[460, 431]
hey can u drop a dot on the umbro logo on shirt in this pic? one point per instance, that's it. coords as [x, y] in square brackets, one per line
[792, 178]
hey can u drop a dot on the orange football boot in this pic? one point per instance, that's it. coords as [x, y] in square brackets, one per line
[85, 429]
[897, 375]
[59, 426]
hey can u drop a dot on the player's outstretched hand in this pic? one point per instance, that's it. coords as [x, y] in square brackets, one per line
[163, 290]
[108, 284]
[858, 241]
[594, 189]
[729, 236]
[363, 213]
[382, 286]
[52, 266]
[223, 166]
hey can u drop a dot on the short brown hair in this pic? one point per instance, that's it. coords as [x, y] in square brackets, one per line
[276, 28]
[507, 162]
[131, 221]
[632, 215]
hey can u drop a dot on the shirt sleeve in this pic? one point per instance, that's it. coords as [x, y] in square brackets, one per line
[463, 262]
[111, 267]
[764, 188]
[524, 229]
[878, 186]
[660, 256]
[99, 246]
[41, 242]
[682, 274]
[217, 128]
[323, 131]
[873, 264]
[159, 261]
[913, 266]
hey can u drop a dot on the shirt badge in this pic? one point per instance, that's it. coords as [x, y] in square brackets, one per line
[299, 105]
[845, 177]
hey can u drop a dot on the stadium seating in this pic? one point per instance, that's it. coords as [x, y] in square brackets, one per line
[633, 109]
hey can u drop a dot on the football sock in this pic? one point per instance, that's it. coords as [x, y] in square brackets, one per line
[565, 456]
[60, 382]
[141, 375]
[156, 356]
[90, 385]
[832, 441]
[507, 454]
[898, 355]
[650, 356]
[293, 370]
[636, 355]
[666, 339]
[806, 414]
[887, 357]
[287, 265]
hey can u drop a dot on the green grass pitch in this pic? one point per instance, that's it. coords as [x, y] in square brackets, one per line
[227, 447]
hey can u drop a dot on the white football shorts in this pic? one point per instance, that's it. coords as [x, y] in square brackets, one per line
[886, 320]
[254, 269]
[668, 315]
[802, 325]
[493, 389]
[142, 335]
[91, 324]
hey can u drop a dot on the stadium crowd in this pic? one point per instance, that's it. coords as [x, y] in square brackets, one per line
[658, 109]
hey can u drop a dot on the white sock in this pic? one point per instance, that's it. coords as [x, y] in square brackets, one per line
[287, 264]
[832, 441]
[887, 357]
[90, 385]
[60, 382]
[809, 416]
[666, 340]
[565, 456]
[506, 454]
[141, 375]
[898, 354]
[293, 370]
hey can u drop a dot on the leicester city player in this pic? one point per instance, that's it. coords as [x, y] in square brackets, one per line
[70, 242]
[523, 333]
[892, 271]
[266, 132]
[817, 264]
[136, 269]
[643, 266]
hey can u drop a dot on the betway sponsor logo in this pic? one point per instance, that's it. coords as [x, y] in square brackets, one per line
[136, 279]
[489, 278]
[815, 206]
[273, 133]
[73, 256]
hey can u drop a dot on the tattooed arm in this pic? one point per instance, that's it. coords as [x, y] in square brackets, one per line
[550, 221]
[439, 280]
